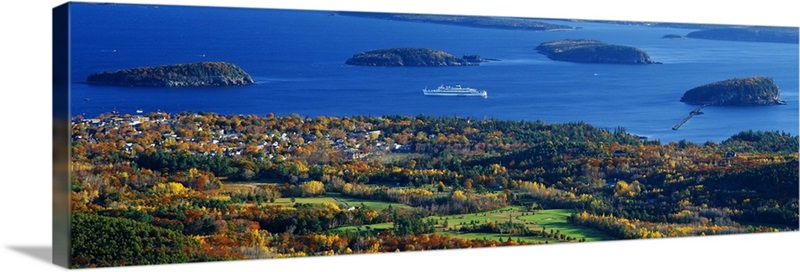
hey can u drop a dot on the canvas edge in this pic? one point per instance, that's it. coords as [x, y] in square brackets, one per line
[61, 118]
[61, 216]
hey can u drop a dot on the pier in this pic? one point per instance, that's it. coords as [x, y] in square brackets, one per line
[693, 113]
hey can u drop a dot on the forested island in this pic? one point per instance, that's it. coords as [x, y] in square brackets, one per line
[748, 91]
[749, 34]
[198, 74]
[593, 51]
[193, 187]
[469, 21]
[673, 36]
[411, 56]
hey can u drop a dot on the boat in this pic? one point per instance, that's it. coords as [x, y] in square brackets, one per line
[139, 111]
[457, 90]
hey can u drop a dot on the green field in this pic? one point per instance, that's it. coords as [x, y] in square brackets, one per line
[500, 215]
[500, 237]
[371, 204]
[555, 219]
[340, 200]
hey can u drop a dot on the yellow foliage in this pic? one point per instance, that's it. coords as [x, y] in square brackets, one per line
[624, 189]
[459, 196]
[312, 188]
[170, 188]
[370, 214]
[193, 172]
[331, 206]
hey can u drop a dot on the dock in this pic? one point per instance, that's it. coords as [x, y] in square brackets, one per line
[693, 113]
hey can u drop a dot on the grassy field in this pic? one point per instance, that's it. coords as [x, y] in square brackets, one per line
[342, 201]
[500, 215]
[371, 204]
[555, 219]
[500, 237]
[337, 198]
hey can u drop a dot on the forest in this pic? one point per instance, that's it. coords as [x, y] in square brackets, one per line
[197, 186]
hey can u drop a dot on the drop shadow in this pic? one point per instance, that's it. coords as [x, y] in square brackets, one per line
[42, 253]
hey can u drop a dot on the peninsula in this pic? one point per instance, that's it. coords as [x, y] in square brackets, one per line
[198, 74]
[467, 21]
[748, 91]
[592, 51]
[409, 56]
[749, 34]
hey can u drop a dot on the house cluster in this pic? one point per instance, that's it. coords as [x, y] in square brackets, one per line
[116, 121]
[206, 141]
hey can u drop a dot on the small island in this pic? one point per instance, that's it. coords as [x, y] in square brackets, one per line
[749, 91]
[673, 37]
[198, 74]
[408, 56]
[592, 51]
[749, 34]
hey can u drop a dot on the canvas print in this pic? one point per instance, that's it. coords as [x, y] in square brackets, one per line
[212, 134]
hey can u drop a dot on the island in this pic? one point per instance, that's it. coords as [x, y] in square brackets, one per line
[748, 91]
[673, 36]
[510, 23]
[198, 74]
[592, 51]
[749, 34]
[409, 56]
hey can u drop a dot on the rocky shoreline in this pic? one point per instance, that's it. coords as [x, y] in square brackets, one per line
[592, 51]
[409, 56]
[749, 91]
[198, 74]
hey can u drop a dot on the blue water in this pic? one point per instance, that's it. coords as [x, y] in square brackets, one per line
[297, 59]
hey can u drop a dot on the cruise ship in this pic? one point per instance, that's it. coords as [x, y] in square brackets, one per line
[454, 91]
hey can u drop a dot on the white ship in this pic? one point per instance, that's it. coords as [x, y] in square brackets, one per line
[454, 91]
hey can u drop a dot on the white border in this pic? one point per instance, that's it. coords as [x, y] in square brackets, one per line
[25, 138]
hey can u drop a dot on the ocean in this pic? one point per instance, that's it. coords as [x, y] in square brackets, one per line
[297, 60]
